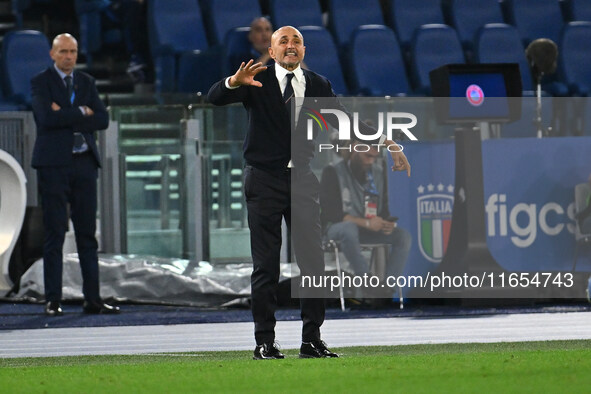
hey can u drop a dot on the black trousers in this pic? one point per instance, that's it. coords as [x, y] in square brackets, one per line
[269, 199]
[77, 186]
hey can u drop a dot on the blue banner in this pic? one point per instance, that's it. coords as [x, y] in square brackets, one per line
[528, 201]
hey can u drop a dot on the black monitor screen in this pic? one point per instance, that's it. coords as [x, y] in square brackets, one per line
[476, 92]
[479, 92]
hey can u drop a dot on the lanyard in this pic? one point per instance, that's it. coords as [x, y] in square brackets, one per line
[370, 186]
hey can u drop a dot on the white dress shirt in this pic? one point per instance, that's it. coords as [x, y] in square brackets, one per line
[63, 75]
[298, 83]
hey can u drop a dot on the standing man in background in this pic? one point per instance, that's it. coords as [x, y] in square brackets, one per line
[278, 185]
[67, 112]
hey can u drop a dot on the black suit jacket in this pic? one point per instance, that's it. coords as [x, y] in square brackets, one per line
[269, 140]
[55, 129]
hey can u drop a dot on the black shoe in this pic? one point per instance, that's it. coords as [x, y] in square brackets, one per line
[53, 308]
[315, 349]
[100, 308]
[267, 351]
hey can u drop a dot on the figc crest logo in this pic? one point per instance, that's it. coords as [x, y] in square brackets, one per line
[434, 211]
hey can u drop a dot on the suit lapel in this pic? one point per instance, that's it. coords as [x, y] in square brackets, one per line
[61, 86]
[308, 92]
[275, 90]
[273, 83]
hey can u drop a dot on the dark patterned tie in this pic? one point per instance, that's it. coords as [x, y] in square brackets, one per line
[69, 86]
[80, 145]
[288, 94]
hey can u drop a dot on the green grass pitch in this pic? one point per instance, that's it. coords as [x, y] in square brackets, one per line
[536, 367]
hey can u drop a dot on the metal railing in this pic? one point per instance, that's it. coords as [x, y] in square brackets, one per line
[17, 136]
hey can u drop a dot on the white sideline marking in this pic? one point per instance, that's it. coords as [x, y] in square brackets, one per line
[53, 342]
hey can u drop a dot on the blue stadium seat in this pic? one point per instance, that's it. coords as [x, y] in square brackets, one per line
[344, 16]
[500, 43]
[236, 45]
[576, 10]
[183, 60]
[467, 16]
[377, 66]
[25, 53]
[221, 16]
[406, 16]
[433, 46]
[575, 57]
[322, 56]
[534, 18]
[538, 19]
[295, 13]
[93, 35]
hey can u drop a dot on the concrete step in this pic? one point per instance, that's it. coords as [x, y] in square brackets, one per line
[115, 84]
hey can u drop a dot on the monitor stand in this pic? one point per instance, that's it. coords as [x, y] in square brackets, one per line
[467, 252]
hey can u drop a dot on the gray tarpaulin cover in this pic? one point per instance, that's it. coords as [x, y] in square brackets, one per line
[152, 280]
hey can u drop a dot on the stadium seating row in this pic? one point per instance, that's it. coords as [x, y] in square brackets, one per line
[371, 52]
[191, 41]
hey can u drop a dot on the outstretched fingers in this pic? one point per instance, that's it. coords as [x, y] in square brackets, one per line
[247, 71]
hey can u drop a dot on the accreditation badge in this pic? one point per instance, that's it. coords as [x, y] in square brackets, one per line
[371, 205]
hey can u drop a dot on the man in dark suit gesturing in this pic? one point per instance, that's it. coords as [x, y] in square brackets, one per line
[278, 183]
[67, 112]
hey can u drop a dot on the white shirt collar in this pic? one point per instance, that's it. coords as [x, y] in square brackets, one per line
[281, 72]
[61, 73]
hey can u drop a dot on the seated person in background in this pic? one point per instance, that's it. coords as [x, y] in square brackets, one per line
[354, 210]
[259, 37]
[584, 217]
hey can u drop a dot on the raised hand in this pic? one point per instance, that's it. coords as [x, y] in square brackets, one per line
[398, 157]
[246, 73]
[400, 162]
